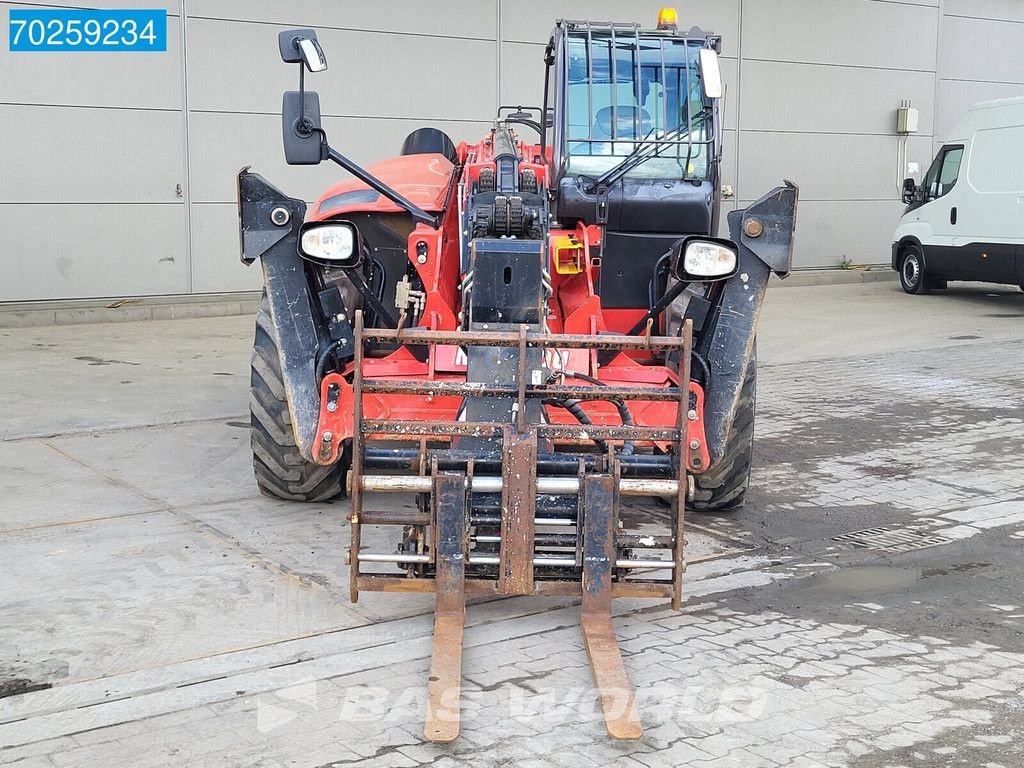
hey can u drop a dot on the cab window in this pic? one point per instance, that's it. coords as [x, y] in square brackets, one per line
[943, 172]
[625, 91]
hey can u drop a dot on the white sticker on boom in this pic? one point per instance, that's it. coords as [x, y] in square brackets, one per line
[536, 377]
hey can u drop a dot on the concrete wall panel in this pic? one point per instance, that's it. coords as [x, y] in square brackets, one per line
[173, 7]
[61, 154]
[455, 18]
[147, 80]
[999, 10]
[216, 264]
[827, 166]
[984, 50]
[234, 66]
[778, 96]
[854, 33]
[93, 251]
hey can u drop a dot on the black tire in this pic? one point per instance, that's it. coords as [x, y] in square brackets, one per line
[426, 141]
[281, 471]
[725, 487]
[913, 277]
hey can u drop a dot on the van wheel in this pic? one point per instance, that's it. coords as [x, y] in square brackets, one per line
[913, 278]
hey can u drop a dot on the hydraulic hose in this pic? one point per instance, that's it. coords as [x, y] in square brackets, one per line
[628, 447]
[573, 407]
[322, 361]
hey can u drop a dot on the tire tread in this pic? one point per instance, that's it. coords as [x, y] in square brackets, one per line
[725, 487]
[280, 469]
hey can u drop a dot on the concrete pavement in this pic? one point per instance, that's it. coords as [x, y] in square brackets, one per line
[157, 611]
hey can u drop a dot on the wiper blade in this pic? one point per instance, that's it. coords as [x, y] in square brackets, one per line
[645, 150]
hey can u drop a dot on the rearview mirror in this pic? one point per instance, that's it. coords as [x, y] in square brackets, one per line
[711, 73]
[304, 140]
[300, 46]
[312, 55]
[909, 190]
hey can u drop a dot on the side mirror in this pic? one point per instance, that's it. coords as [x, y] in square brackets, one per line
[909, 190]
[312, 55]
[301, 46]
[711, 73]
[304, 139]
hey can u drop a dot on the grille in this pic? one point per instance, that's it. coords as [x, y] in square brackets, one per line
[891, 539]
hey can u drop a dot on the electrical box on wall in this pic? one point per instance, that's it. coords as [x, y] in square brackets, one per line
[906, 120]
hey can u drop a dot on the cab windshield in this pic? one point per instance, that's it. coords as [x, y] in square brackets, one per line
[624, 92]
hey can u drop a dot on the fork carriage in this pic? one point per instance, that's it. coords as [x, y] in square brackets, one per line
[520, 517]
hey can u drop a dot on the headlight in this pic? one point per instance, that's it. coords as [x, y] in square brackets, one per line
[332, 244]
[700, 258]
[704, 259]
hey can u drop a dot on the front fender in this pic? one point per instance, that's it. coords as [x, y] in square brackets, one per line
[764, 247]
[267, 234]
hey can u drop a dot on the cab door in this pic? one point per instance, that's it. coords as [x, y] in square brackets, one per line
[941, 211]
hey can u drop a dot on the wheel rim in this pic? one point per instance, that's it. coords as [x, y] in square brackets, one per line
[911, 269]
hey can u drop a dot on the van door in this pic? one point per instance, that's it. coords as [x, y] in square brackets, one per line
[942, 257]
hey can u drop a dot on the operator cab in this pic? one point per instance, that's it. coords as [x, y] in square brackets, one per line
[634, 143]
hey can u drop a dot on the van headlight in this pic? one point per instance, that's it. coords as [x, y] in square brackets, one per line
[700, 258]
[332, 243]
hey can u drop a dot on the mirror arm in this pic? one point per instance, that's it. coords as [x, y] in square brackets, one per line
[654, 312]
[417, 213]
[302, 124]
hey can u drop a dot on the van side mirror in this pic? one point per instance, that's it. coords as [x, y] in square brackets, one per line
[304, 140]
[710, 73]
[909, 190]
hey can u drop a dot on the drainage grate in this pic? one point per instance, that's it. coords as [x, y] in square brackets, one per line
[889, 539]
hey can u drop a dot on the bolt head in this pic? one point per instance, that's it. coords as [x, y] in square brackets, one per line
[421, 259]
[328, 436]
[332, 407]
[694, 445]
[691, 415]
[280, 216]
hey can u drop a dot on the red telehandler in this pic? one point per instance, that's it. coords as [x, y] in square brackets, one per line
[519, 333]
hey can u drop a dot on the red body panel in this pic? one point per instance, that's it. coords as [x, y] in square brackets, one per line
[573, 308]
[422, 179]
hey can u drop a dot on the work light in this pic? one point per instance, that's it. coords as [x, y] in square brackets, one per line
[330, 243]
[701, 258]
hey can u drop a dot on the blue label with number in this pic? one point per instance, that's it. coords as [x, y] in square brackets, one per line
[86, 30]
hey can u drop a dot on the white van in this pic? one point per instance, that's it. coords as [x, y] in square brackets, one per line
[966, 219]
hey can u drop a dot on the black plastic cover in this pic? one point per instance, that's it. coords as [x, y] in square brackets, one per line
[425, 141]
[304, 140]
[290, 53]
[266, 215]
[507, 280]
